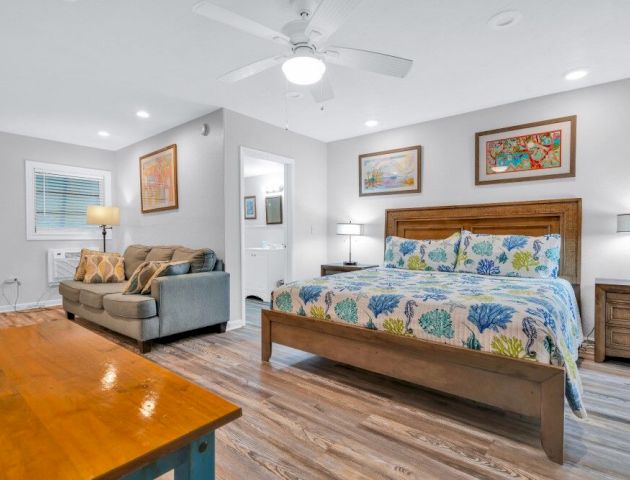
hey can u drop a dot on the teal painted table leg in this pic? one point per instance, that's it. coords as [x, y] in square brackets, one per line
[193, 462]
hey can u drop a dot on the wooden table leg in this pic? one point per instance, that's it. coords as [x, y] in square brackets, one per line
[193, 462]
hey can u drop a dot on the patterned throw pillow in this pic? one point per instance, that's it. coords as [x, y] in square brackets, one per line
[141, 276]
[167, 270]
[104, 268]
[426, 255]
[79, 273]
[509, 255]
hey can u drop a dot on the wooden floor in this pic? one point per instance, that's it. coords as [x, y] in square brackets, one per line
[308, 418]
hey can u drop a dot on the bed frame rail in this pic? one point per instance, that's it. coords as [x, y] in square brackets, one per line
[520, 386]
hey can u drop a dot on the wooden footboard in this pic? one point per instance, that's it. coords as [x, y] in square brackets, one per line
[520, 386]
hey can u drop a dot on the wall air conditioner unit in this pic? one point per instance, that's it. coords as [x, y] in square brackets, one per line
[62, 262]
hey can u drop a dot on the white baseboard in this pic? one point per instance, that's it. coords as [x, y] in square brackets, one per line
[234, 324]
[27, 306]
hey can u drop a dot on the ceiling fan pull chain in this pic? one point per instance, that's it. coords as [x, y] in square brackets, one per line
[286, 105]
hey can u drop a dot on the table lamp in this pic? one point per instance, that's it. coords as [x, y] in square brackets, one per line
[105, 217]
[350, 229]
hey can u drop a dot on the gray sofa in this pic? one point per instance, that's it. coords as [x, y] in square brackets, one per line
[177, 303]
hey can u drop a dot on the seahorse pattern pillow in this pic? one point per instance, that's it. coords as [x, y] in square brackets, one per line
[427, 255]
[104, 268]
[509, 255]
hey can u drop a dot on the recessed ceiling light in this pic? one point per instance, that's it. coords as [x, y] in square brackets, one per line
[506, 19]
[142, 114]
[576, 74]
[103, 133]
[371, 123]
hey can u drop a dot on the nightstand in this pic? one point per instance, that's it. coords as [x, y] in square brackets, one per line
[332, 268]
[612, 318]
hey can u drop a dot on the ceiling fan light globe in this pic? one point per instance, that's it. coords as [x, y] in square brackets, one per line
[303, 70]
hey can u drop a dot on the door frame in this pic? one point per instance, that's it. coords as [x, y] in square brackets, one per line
[287, 207]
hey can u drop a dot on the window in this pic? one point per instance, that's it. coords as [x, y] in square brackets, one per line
[57, 197]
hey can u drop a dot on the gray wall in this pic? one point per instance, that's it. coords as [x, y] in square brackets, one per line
[309, 199]
[198, 222]
[27, 259]
[448, 150]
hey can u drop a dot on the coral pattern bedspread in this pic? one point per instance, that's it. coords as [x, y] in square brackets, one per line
[529, 318]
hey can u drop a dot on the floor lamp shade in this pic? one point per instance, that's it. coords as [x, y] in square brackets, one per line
[105, 217]
[97, 215]
[623, 222]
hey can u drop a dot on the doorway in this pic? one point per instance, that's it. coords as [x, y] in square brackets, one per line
[266, 220]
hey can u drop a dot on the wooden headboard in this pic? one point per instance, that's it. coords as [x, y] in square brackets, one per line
[518, 218]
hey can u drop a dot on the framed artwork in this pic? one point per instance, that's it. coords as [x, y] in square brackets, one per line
[392, 171]
[532, 151]
[249, 205]
[158, 180]
[273, 210]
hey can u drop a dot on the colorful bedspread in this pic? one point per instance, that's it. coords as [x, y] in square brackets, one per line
[529, 318]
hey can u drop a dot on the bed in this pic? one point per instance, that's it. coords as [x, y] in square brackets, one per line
[364, 318]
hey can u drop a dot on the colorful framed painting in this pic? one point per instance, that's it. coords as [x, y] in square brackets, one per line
[158, 180]
[391, 171]
[533, 151]
[249, 205]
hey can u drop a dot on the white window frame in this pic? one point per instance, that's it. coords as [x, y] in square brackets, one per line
[63, 234]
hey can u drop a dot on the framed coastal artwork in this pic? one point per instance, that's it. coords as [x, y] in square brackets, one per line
[391, 171]
[533, 151]
[158, 180]
[249, 205]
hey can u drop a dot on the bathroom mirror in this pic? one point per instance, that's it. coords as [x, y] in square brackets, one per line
[273, 210]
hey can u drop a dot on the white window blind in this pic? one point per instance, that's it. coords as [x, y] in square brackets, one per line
[61, 201]
[58, 197]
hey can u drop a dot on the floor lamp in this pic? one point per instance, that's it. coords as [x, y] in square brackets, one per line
[105, 217]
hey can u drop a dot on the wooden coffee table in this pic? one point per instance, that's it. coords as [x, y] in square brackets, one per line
[74, 405]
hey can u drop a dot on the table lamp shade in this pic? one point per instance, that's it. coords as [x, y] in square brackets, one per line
[623, 222]
[97, 215]
[349, 229]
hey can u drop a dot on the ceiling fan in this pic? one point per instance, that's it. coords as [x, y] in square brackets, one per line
[306, 37]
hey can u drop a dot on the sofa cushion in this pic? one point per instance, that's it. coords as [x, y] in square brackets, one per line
[160, 254]
[71, 289]
[92, 293]
[134, 256]
[201, 260]
[104, 268]
[130, 306]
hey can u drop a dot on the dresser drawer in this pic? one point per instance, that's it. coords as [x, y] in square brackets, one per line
[618, 310]
[618, 341]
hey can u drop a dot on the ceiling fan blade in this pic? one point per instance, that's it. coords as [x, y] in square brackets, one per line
[371, 61]
[227, 17]
[322, 91]
[251, 69]
[328, 17]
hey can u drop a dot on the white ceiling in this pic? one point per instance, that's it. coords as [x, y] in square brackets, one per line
[71, 68]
